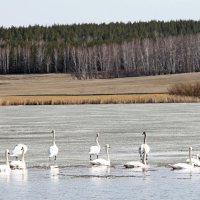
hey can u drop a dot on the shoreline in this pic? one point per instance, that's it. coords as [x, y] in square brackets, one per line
[94, 99]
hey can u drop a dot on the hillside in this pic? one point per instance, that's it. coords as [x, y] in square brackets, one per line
[63, 89]
[64, 84]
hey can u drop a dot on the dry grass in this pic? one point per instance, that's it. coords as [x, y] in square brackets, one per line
[64, 84]
[63, 89]
[97, 99]
[186, 89]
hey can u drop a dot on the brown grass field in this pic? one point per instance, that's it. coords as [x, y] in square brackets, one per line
[44, 89]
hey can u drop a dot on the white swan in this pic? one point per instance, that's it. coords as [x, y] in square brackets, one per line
[102, 161]
[189, 165]
[144, 147]
[19, 164]
[195, 161]
[94, 150]
[6, 167]
[17, 151]
[53, 150]
[137, 164]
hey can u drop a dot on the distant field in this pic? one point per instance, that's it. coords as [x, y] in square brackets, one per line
[64, 85]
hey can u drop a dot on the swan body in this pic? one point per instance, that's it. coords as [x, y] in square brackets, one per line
[94, 150]
[189, 165]
[102, 162]
[137, 164]
[17, 151]
[6, 167]
[181, 166]
[53, 150]
[134, 164]
[144, 147]
[19, 164]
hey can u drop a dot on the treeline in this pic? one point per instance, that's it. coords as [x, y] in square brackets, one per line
[102, 51]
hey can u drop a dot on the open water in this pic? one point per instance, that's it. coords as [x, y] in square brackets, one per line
[171, 129]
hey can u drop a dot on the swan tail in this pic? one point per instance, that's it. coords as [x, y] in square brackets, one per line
[172, 166]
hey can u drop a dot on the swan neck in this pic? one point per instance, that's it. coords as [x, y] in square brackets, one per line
[7, 161]
[144, 158]
[97, 140]
[190, 155]
[54, 138]
[23, 155]
[108, 157]
[145, 138]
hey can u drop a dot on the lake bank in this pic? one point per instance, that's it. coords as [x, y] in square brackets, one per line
[95, 99]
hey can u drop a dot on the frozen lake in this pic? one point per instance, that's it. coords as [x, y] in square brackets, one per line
[171, 130]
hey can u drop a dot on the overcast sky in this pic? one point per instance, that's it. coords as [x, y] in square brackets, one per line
[48, 12]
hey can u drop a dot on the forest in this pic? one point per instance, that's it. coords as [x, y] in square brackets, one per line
[102, 50]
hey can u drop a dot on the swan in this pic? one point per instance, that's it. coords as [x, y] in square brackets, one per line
[6, 167]
[17, 151]
[137, 164]
[19, 164]
[102, 161]
[94, 150]
[195, 161]
[53, 150]
[184, 165]
[144, 147]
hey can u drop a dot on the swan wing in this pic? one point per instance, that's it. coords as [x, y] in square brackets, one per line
[147, 148]
[100, 162]
[94, 150]
[134, 164]
[140, 150]
[53, 150]
[17, 151]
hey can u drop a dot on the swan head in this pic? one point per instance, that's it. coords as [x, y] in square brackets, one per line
[97, 134]
[144, 133]
[53, 131]
[190, 148]
[107, 146]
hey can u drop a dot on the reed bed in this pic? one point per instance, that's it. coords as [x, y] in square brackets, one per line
[96, 99]
[186, 89]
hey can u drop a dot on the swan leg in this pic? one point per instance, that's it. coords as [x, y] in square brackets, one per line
[97, 156]
[55, 158]
[90, 157]
[49, 159]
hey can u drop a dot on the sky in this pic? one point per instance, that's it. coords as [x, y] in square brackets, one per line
[49, 12]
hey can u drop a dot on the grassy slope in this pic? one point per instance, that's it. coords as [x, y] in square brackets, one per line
[63, 84]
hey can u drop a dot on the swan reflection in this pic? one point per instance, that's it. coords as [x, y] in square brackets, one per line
[5, 176]
[19, 175]
[99, 170]
[54, 172]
